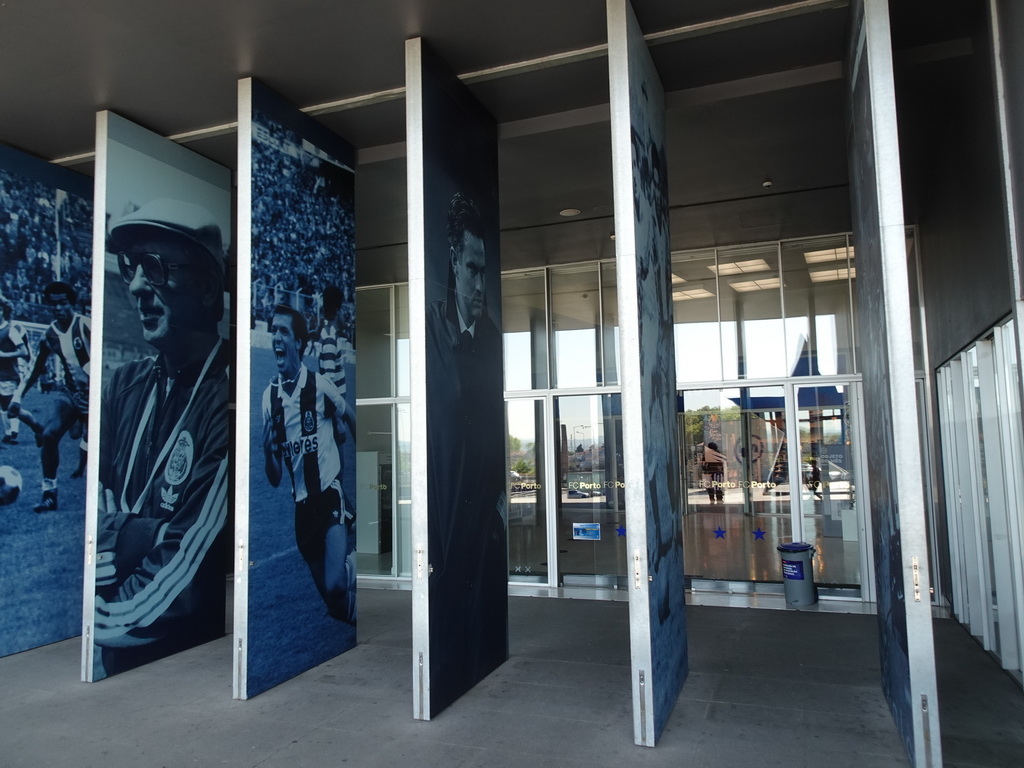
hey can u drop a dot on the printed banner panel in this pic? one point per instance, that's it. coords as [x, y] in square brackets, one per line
[300, 398]
[161, 411]
[45, 303]
[878, 420]
[465, 424]
[654, 529]
[897, 506]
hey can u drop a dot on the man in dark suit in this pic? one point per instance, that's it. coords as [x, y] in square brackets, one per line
[466, 470]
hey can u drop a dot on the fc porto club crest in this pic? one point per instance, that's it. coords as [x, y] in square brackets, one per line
[179, 463]
[308, 423]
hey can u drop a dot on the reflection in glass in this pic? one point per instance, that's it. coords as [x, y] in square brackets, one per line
[524, 329]
[695, 312]
[373, 342]
[402, 339]
[527, 512]
[819, 319]
[736, 484]
[740, 490]
[403, 491]
[374, 490]
[916, 308]
[575, 319]
[987, 451]
[610, 323]
[750, 302]
[828, 483]
[591, 498]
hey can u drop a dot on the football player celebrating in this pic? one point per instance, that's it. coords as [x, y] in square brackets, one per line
[304, 421]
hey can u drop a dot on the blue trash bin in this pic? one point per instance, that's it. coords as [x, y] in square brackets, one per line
[798, 573]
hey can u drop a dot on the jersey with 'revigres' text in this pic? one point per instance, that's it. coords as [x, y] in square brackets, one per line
[303, 424]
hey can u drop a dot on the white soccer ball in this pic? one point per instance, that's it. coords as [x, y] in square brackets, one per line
[10, 485]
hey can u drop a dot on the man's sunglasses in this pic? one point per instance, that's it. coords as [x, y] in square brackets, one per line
[154, 268]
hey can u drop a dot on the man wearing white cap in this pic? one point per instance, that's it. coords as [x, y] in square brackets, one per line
[164, 445]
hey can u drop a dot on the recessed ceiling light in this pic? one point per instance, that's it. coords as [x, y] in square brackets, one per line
[829, 254]
[739, 267]
[831, 275]
[764, 284]
[693, 293]
[567, 212]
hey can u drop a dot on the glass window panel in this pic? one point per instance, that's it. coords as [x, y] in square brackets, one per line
[374, 490]
[736, 483]
[402, 339]
[915, 302]
[524, 329]
[403, 491]
[373, 342]
[610, 322]
[527, 510]
[827, 490]
[695, 312]
[753, 333]
[575, 318]
[591, 506]
[819, 321]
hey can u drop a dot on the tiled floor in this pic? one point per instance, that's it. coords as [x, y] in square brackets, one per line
[766, 688]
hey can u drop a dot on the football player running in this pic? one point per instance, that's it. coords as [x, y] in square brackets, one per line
[305, 419]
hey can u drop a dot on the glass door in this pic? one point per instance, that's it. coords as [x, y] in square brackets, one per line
[737, 505]
[828, 483]
[527, 492]
[753, 480]
[590, 503]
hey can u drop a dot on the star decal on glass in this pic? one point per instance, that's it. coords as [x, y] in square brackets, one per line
[719, 532]
[620, 531]
[759, 534]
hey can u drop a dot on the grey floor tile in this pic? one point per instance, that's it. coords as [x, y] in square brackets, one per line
[869, 733]
[984, 751]
[343, 748]
[815, 757]
[765, 688]
[720, 752]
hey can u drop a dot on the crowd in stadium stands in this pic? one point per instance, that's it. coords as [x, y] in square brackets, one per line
[302, 222]
[302, 215]
[42, 238]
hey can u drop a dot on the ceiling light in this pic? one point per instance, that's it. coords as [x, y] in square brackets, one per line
[767, 183]
[832, 275]
[692, 293]
[568, 212]
[827, 255]
[746, 286]
[740, 267]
